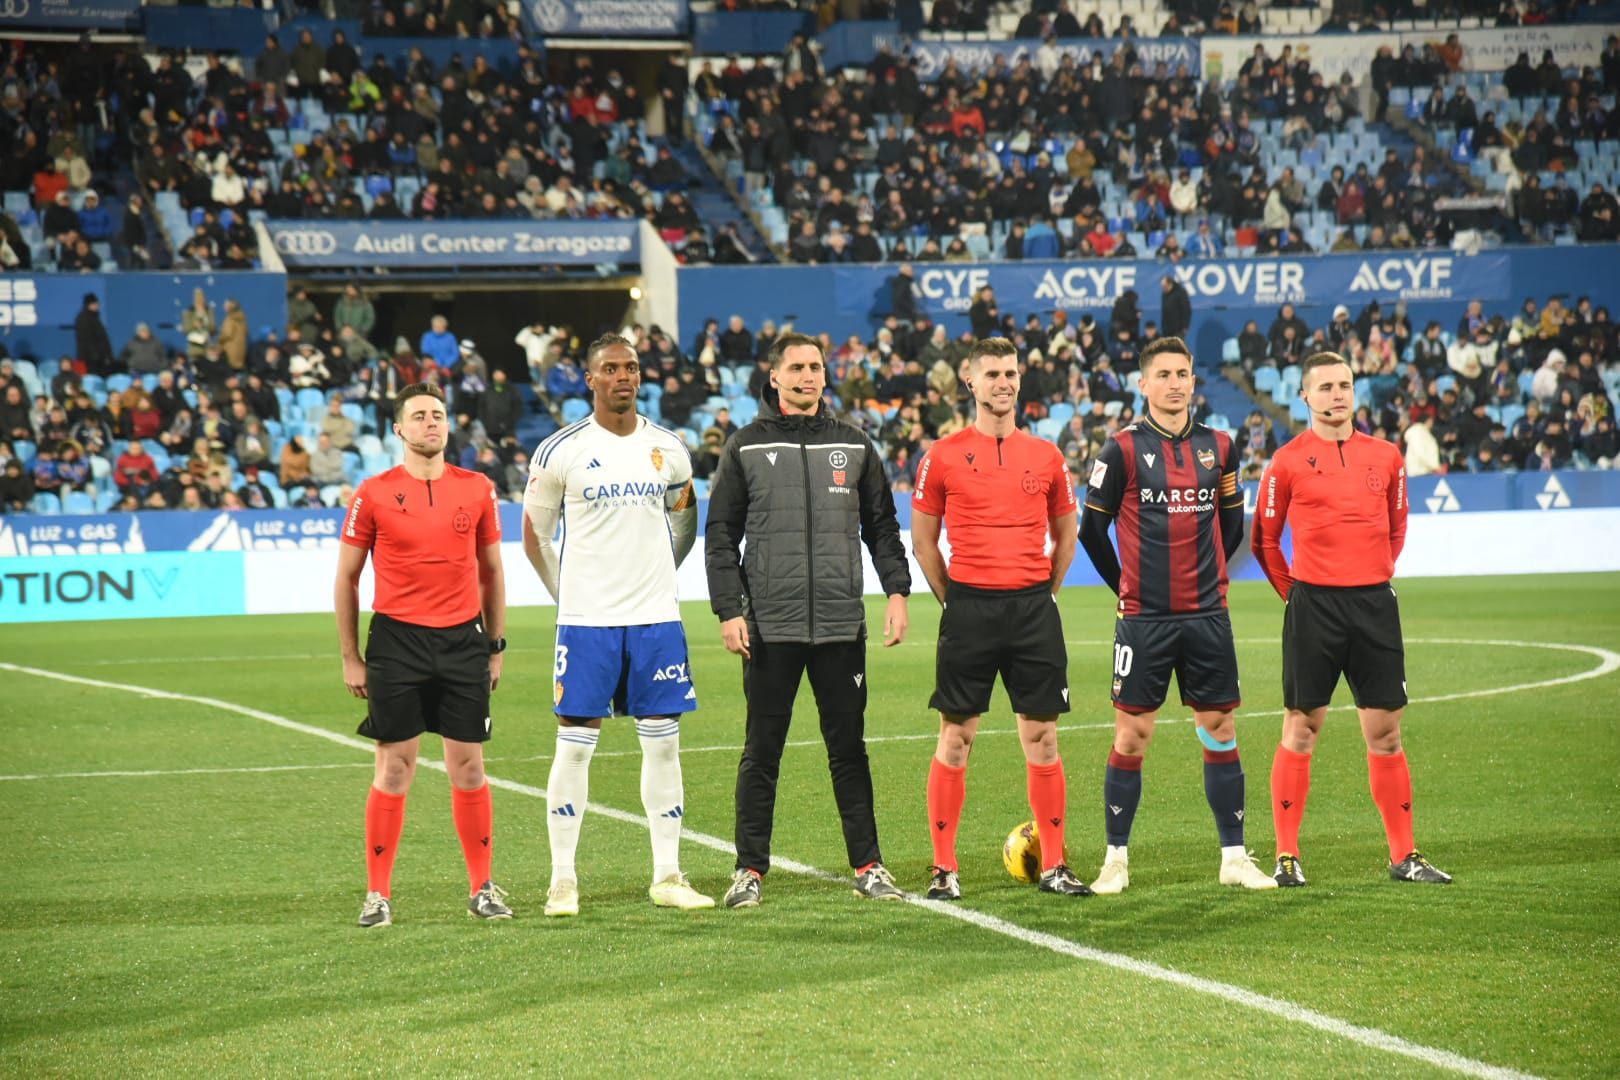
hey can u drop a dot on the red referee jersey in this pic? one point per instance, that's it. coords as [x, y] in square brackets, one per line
[996, 497]
[424, 537]
[1346, 505]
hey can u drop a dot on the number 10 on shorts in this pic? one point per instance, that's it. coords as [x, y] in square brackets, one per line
[1123, 655]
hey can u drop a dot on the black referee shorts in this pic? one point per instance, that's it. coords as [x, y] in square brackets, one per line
[426, 678]
[1016, 633]
[1198, 648]
[1355, 631]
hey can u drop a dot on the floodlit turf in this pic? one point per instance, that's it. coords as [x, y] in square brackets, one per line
[202, 921]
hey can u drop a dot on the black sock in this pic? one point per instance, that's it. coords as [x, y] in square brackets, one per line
[1223, 787]
[1122, 791]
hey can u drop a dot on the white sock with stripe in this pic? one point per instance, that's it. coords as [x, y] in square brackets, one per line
[566, 792]
[661, 791]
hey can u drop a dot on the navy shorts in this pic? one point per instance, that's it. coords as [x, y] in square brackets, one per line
[1197, 648]
[622, 671]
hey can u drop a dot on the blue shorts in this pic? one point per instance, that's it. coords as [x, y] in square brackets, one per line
[622, 671]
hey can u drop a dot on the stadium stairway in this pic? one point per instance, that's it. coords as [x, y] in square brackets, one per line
[714, 204]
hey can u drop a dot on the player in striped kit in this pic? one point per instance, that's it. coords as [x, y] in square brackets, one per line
[621, 486]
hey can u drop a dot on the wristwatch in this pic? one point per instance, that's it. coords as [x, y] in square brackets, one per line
[497, 645]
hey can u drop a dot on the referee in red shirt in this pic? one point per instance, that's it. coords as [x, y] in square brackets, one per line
[1000, 493]
[433, 651]
[1344, 496]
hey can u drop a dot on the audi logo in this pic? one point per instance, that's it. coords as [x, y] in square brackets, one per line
[302, 241]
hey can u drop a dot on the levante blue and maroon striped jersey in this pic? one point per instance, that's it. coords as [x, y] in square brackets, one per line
[1165, 491]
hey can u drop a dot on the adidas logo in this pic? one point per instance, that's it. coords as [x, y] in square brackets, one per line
[770, 455]
[1114, 809]
[566, 810]
[595, 464]
[691, 694]
[675, 813]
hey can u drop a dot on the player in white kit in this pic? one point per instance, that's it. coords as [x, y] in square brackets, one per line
[621, 486]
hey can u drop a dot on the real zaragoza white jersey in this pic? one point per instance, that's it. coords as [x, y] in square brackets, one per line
[616, 555]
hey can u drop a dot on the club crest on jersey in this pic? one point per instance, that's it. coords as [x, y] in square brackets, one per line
[557, 692]
[462, 522]
[1118, 685]
[658, 459]
[1206, 458]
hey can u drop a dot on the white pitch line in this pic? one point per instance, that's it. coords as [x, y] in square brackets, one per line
[183, 772]
[1237, 995]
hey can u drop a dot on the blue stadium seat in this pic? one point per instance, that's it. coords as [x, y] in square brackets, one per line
[106, 500]
[1048, 428]
[744, 410]
[1298, 412]
[1229, 351]
[330, 493]
[575, 410]
[25, 451]
[46, 503]
[312, 401]
[1063, 410]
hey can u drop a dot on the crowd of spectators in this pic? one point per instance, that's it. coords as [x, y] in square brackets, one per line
[972, 150]
[1530, 390]
[379, 137]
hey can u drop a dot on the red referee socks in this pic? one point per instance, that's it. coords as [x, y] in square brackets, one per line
[1048, 800]
[947, 791]
[385, 820]
[1290, 783]
[475, 819]
[1391, 783]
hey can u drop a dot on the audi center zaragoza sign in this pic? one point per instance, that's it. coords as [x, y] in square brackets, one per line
[444, 244]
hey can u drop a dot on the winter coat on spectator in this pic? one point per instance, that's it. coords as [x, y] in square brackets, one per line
[326, 466]
[340, 429]
[233, 338]
[500, 408]
[356, 313]
[1544, 384]
[294, 463]
[90, 341]
[1422, 451]
[95, 222]
[442, 348]
[565, 381]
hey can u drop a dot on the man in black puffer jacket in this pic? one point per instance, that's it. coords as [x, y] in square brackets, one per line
[806, 489]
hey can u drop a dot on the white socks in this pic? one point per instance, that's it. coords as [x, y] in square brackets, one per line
[1119, 854]
[661, 792]
[566, 791]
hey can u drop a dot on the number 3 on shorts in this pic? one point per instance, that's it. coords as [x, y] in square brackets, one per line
[1123, 655]
[561, 662]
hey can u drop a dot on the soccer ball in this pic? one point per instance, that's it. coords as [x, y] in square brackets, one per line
[1021, 854]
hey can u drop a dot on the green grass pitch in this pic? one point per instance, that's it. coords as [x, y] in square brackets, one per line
[193, 919]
